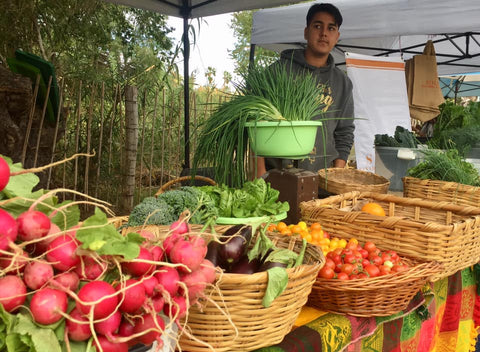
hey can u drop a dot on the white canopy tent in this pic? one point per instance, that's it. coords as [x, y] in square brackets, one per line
[385, 28]
[187, 9]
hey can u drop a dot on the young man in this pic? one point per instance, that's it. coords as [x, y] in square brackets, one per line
[321, 34]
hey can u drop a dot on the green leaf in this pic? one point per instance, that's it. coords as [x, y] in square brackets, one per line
[6, 323]
[104, 238]
[76, 346]
[37, 338]
[21, 185]
[277, 282]
[282, 255]
[68, 217]
[299, 260]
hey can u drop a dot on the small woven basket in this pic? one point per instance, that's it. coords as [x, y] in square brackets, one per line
[426, 230]
[245, 324]
[377, 296]
[442, 191]
[338, 181]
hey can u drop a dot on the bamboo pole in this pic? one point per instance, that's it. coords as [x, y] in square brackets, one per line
[57, 123]
[154, 120]
[131, 143]
[100, 139]
[195, 124]
[142, 143]
[30, 119]
[164, 113]
[42, 119]
[77, 137]
[110, 141]
[89, 140]
[179, 134]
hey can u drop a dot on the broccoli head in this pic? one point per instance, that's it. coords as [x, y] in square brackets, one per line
[151, 211]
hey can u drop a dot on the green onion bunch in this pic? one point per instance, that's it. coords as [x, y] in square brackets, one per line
[266, 94]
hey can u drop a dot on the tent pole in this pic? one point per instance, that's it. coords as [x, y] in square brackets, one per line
[186, 84]
[251, 60]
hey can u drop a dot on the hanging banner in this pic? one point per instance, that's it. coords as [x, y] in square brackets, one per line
[380, 101]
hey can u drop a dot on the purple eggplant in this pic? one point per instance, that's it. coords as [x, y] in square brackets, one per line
[235, 244]
[213, 253]
[244, 266]
[268, 265]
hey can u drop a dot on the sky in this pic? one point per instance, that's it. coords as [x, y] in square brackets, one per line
[214, 39]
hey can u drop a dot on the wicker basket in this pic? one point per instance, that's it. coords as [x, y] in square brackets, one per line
[415, 228]
[377, 296]
[338, 181]
[247, 325]
[442, 191]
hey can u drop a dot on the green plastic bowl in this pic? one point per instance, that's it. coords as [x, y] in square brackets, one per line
[238, 221]
[282, 139]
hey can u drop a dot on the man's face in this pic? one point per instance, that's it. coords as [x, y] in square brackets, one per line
[322, 34]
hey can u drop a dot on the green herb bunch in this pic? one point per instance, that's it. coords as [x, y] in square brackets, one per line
[266, 94]
[446, 166]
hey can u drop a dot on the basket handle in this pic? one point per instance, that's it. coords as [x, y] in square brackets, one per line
[184, 178]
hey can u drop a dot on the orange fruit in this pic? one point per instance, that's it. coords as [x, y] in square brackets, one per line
[374, 209]
[296, 229]
[272, 227]
[315, 226]
[281, 226]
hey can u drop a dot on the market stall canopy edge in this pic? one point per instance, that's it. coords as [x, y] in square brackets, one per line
[385, 28]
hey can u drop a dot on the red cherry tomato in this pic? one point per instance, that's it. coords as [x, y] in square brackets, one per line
[347, 268]
[330, 263]
[350, 258]
[376, 260]
[326, 273]
[369, 246]
[385, 270]
[364, 253]
[399, 268]
[342, 276]
[372, 270]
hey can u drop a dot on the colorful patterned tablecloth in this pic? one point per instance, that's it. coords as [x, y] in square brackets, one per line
[441, 318]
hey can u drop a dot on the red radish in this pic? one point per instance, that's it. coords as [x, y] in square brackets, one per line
[125, 330]
[68, 280]
[12, 292]
[168, 278]
[157, 253]
[139, 268]
[8, 229]
[15, 263]
[107, 346]
[133, 296]
[169, 242]
[146, 322]
[179, 227]
[32, 224]
[177, 309]
[37, 274]
[77, 331]
[41, 247]
[94, 291]
[184, 252]
[208, 270]
[149, 284]
[4, 173]
[196, 284]
[158, 303]
[89, 268]
[46, 305]
[110, 325]
[62, 253]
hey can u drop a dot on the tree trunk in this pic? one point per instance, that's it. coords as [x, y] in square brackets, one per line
[131, 142]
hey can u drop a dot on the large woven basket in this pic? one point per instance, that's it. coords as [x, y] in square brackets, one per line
[442, 191]
[243, 323]
[338, 181]
[377, 296]
[415, 228]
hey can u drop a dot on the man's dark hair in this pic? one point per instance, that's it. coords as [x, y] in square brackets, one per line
[325, 7]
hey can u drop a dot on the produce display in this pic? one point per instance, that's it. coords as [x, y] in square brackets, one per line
[87, 287]
[255, 199]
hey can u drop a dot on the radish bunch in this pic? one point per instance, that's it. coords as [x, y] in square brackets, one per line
[39, 260]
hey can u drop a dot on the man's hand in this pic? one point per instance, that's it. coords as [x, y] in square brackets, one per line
[340, 163]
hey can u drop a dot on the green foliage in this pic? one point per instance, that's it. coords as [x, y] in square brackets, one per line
[445, 166]
[401, 138]
[242, 29]
[457, 127]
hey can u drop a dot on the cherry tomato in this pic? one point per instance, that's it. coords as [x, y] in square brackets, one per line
[365, 262]
[350, 258]
[326, 234]
[399, 268]
[384, 270]
[372, 270]
[363, 252]
[326, 273]
[338, 267]
[376, 260]
[330, 263]
[342, 276]
[353, 277]
[347, 268]
[351, 245]
[357, 254]
[386, 256]
[369, 246]
[362, 276]
[337, 259]
[357, 268]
